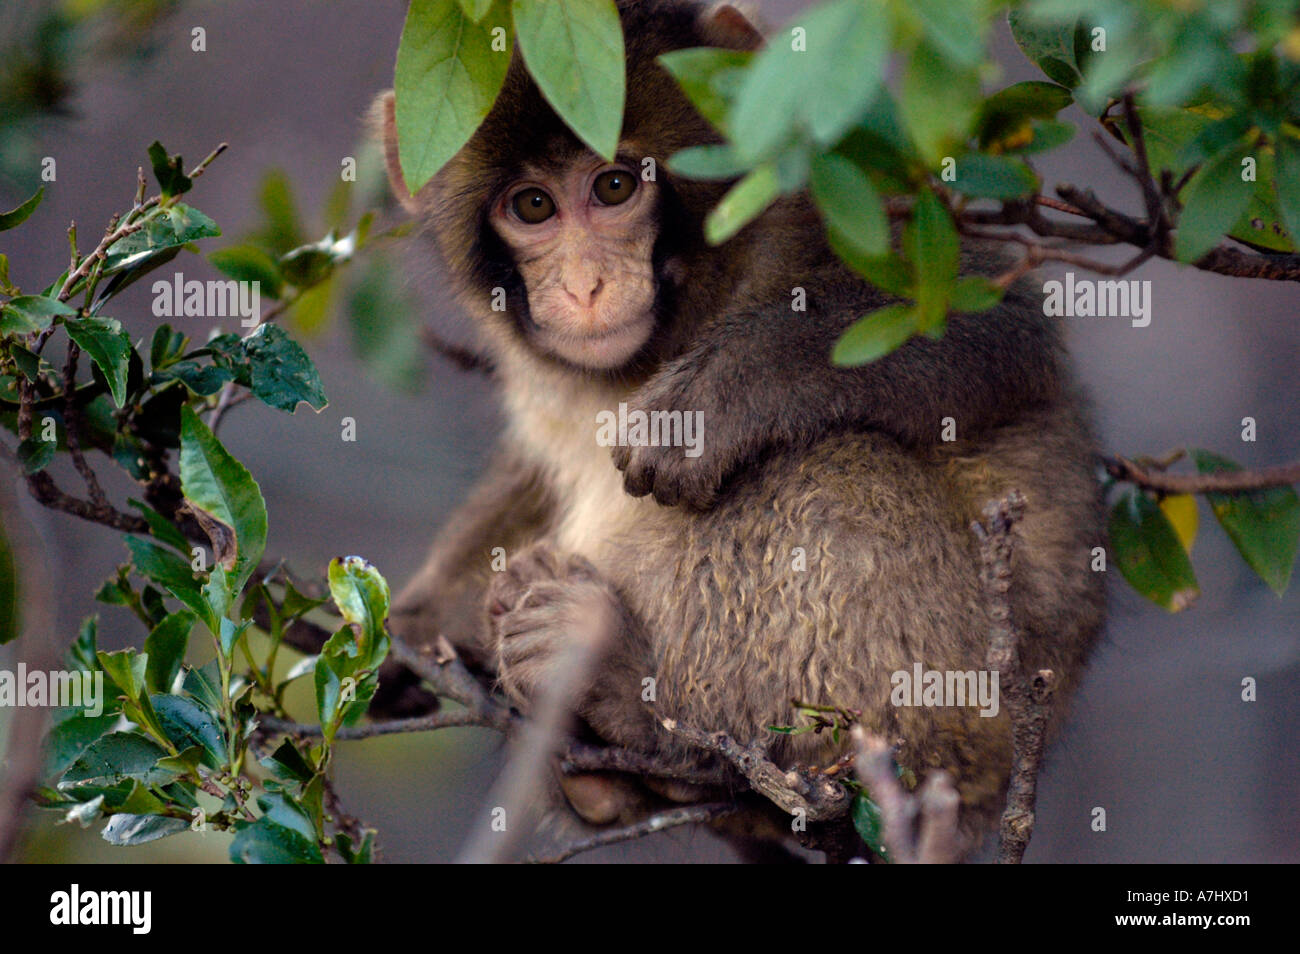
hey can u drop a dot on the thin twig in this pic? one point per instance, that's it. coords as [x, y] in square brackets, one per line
[72, 428]
[663, 821]
[427, 723]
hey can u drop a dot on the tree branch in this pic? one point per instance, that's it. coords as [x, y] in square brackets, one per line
[1224, 481]
[818, 797]
[1026, 700]
[917, 828]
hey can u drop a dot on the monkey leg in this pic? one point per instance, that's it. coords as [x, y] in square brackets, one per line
[558, 627]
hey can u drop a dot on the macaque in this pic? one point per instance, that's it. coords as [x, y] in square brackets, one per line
[816, 540]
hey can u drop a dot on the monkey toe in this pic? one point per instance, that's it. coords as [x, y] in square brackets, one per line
[599, 798]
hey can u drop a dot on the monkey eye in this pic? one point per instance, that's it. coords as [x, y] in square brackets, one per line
[533, 205]
[614, 187]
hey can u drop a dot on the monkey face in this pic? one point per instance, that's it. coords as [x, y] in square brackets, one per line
[582, 236]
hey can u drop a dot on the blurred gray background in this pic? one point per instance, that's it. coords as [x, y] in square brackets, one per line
[1160, 739]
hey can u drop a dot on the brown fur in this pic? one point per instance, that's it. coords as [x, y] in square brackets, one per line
[846, 464]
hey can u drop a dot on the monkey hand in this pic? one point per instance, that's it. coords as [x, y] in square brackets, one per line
[551, 618]
[697, 450]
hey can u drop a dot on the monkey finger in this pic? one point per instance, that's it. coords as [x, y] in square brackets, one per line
[639, 476]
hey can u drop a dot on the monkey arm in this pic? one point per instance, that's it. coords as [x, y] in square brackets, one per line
[763, 379]
[508, 508]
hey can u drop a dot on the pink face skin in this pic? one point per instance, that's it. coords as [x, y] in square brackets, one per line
[586, 261]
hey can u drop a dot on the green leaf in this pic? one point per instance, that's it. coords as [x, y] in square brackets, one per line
[446, 80]
[28, 362]
[1177, 139]
[984, 176]
[6, 286]
[312, 309]
[169, 171]
[820, 90]
[28, 313]
[850, 204]
[265, 842]
[165, 229]
[124, 829]
[975, 293]
[574, 52]
[18, 216]
[171, 573]
[875, 335]
[746, 200]
[10, 618]
[1287, 181]
[939, 104]
[215, 481]
[202, 379]
[1264, 525]
[283, 230]
[281, 810]
[890, 273]
[362, 854]
[329, 688]
[117, 756]
[931, 242]
[108, 346]
[476, 10]
[384, 322]
[308, 265]
[166, 346]
[72, 733]
[1149, 554]
[1007, 113]
[362, 596]
[712, 161]
[34, 454]
[1050, 46]
[126, 669]
[710, 77]
[1045, 135]
[289, 764]
[869, 823]
[205, 685]
[248, 263]
[187, 725]
[165, 647]
[954, 27]
[1213, 201]
[283, 374]
[82, 654]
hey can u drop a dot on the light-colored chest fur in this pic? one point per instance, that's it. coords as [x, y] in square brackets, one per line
[555, 426]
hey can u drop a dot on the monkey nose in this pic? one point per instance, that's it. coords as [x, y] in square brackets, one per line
[583, 292]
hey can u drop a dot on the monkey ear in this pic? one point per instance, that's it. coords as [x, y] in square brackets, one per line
[383, 123]
[724, 25]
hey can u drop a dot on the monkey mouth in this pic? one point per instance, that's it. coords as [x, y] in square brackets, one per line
[606, 349]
